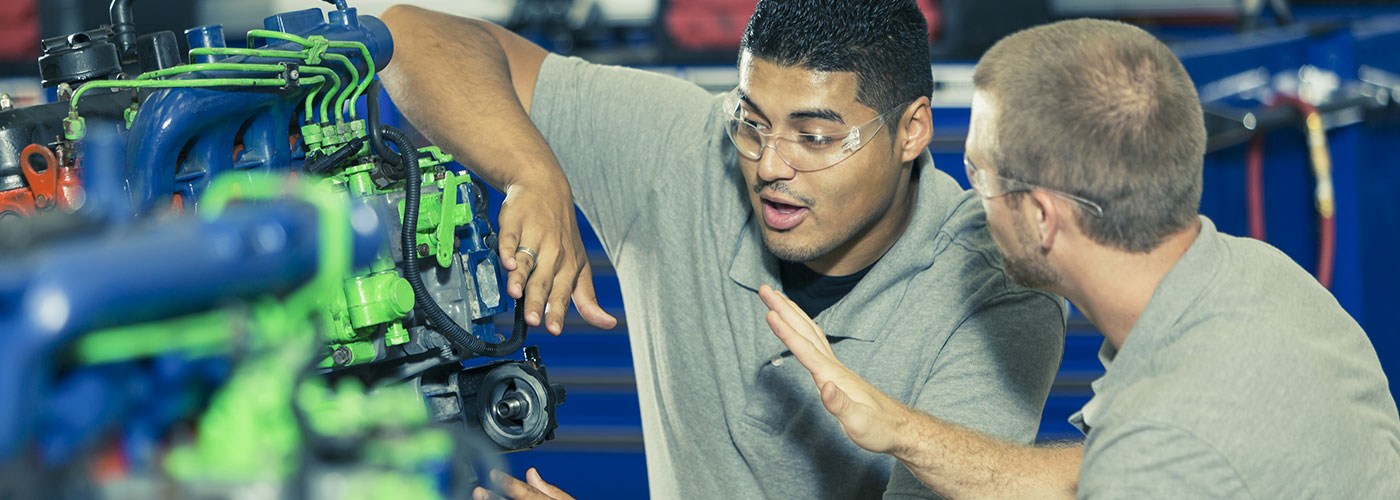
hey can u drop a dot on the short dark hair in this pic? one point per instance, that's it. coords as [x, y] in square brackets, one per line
[1102, 110]
[884, 42]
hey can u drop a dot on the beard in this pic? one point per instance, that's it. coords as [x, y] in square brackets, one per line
[797, 251]
[1026, 265]
[791, 249]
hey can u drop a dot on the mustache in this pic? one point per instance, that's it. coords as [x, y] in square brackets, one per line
[781, 187]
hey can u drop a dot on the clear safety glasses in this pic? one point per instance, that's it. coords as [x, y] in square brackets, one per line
[988, 185]
[801, 152]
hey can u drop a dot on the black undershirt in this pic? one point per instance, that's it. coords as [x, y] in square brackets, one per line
[812, 291]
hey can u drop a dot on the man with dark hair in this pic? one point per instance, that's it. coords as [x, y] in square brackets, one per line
[1231, 372]
[812, 173]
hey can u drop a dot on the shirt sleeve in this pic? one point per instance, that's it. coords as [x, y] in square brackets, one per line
[1149, 460]
[617, 133]
[1011, 347]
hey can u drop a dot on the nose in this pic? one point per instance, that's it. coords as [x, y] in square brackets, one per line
[772, 166]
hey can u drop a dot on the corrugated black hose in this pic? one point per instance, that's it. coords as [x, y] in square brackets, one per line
[437, 319]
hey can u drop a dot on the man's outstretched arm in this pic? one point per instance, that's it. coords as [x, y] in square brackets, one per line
[467, 85]
[953, 461]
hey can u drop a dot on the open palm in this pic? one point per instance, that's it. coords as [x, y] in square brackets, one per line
[869, 417]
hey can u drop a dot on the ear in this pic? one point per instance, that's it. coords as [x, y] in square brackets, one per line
[916, 130]
[1045, 215]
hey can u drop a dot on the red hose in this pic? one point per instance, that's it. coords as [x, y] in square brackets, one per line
[1326, 249]
[1254, 187]
[1322, 170]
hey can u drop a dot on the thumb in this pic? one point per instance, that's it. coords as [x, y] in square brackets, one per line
[586, 301]
[532, 477]
[835, 399]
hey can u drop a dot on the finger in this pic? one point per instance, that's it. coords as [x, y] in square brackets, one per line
[515, 488]
[525, 267]
[811, 323]
[532, 476]
[807, 325]
[558, 302]
[508, 241]
[792, 315]
[802, 348]
[539, 283]
[779, 304]
[586, 301]
[484, 494]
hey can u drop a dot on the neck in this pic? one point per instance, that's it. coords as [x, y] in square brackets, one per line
[871, 243]
[1112, 287]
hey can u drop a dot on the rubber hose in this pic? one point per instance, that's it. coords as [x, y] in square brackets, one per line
[325, 164]
[376, 137]
[483, 198]
[123, 28]
[437, 319]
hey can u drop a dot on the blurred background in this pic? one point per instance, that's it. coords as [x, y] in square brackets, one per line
[1262, 67]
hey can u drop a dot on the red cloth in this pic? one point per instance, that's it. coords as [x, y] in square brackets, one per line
[719, 24]
[19, 30]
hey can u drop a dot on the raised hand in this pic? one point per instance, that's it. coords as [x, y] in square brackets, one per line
[871, 419]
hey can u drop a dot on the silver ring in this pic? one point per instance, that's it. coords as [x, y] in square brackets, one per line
[527, 251]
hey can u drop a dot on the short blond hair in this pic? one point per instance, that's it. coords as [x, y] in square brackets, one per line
[1103, 110]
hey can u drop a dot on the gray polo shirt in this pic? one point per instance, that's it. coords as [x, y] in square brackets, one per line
[1243, 378]
[726, 411]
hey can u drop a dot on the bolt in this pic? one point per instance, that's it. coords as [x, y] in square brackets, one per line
[41, 201]
[422, 249]
[440, 175]
[6, 103]
[445, 351]
[295, 74]
[342, 355]
[512, 407]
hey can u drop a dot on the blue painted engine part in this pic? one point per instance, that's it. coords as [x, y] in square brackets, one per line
[156, 272]
[183, 137]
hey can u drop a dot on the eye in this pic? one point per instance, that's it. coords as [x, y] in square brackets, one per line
[756, 125]
[817, 140]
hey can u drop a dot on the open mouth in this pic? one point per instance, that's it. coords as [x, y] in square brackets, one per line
[782, 216]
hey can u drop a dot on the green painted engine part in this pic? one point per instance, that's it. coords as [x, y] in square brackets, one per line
[250, 433]
[439, 215]
[377, 298]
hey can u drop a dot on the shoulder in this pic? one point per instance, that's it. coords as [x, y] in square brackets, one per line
[560, 73]
[972, 255]
[599, 95]
[954, 226]
[967, 275]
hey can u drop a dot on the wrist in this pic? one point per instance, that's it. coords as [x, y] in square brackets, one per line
[541, 177]
[906, 433]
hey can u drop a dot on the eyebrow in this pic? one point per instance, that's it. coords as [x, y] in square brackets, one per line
[802, 114]
[745, 97]
[820, 114]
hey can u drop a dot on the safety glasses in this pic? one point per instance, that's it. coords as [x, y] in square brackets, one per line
[988, 185]
[802, 152]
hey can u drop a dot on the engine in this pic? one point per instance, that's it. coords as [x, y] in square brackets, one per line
[217, 275]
